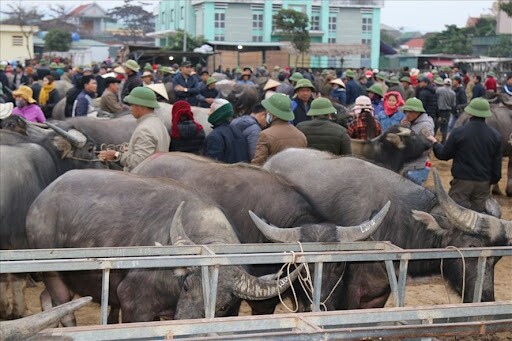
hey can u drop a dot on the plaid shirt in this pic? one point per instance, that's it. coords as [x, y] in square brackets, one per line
[357, 128]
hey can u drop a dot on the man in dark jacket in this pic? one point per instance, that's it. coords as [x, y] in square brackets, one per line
[251, 126]
[133, 80]
[186, 87]
[302, 100]
[352, 88]
[478, 89]
[461, 100]
[225, 143]
[321, 133]
[476, 152]
[426, 93]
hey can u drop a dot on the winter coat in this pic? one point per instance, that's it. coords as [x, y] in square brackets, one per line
[250, 129]
[388, 121]
[426, 122]
[427, 95]
[225, 143]
[300, 110]
[191, 140]
[325, 135]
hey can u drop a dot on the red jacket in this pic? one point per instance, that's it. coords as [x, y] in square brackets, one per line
[490, 84]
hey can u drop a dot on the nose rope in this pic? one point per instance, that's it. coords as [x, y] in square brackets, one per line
[463, 274]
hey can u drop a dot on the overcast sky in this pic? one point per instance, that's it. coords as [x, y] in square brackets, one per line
[418, 15]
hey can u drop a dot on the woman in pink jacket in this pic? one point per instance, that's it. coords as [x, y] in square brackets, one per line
[26, 106]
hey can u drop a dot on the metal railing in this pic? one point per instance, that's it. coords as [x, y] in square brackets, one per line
[210, 257]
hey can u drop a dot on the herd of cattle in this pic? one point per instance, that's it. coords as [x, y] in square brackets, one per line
[55, 193]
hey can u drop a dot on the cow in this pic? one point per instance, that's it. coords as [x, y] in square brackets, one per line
[112, 209]
[393, 148]
[501, 120]
[350, 189]
[240, 187]
[29, 164]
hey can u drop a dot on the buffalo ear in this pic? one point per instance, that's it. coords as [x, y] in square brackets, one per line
[428, 220]
[395, 140]
[181, 272]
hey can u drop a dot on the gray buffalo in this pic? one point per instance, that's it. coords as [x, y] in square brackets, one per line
[350, 189]
[239, 188]
[111, 209]
[501, 120]
[392, 149]
[29, 164]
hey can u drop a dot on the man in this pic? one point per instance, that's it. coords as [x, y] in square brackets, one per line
[353, 90]
[280, 134]
[394, 85]
[302, 100]
[476, 152]
[225, 143]
[446, 103]
[245, 78]
[507, 88]
[83, 103]
[478, 89]
[110, 99]
[421, 123]
[150, 135]
[490, 82]
[380, 79]
[321, 133]
[131, 69]
[408, 90]
[207, 93]
[20, 78]
[203, 78]
[251, 126]
[147, 78]
[461, 101]
[426, 93]
[186, 87]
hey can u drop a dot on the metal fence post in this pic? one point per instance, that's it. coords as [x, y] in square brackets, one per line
[317, 285]
[479, 282]
[104, 295]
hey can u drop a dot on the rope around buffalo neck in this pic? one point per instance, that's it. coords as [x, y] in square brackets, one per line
[463, 274]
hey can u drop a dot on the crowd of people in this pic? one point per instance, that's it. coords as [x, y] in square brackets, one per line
[297, 108]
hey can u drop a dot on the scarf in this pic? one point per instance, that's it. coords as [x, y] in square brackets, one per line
[181, 111]
[399, 103]
[44, 95]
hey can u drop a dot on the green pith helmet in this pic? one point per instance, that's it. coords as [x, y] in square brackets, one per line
[148, 67]
[210, 80]
[438, 81]
[132, 65]
[381, 76]
[54, 65]
[394, 80]
[376, 89]
[142, 96]
[279, 105]
[405, 79]
[296, 76]
[478, 107]
[350, 73]
[304, 83]
[321, 106]
[413, 104]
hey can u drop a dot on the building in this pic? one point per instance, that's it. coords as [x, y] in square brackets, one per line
[344, 33]
[17, 42]
[503, 22]
[81, 52]
[91, 19]
[413, 46]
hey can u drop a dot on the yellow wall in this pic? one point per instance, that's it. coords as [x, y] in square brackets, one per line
[8, 51]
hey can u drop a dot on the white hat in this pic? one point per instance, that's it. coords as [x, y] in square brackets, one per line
[160, 89]
[110, 74]
[447, 81]
[271, 84]
[5, 110]
[338, 81]
[119, 69]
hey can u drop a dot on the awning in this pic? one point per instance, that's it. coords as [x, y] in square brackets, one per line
[440, 62]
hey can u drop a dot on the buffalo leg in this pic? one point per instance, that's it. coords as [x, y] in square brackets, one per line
[113, 315]
[18, 285]
[508, 190]
[60, 294]
[5, 307]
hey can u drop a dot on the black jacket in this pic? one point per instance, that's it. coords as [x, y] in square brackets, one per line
[190, 141]
[300, 111]
[325, 135]
[428, 97]
[131, 83]
[53, 99]
[476, 152]
[461, 99]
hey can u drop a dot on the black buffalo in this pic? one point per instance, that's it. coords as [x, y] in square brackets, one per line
[93, 208]
[239, 188]
[29, 164]
[351, 188]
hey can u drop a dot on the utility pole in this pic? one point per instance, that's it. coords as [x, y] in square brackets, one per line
[185, 28]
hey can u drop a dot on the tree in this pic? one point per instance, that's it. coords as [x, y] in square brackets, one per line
[57, 40]
[503, 48]
[453, 40]
[507, 7]
[293, 25]
[175, 42]
[388, 39]
[136, 20]
[25, 18]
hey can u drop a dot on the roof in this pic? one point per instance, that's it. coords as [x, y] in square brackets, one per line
[472, 21]
[78, 10]
[89, 10]
[415, 43]
[80, 44]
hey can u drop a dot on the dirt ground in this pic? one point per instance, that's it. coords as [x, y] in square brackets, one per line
[424, 291]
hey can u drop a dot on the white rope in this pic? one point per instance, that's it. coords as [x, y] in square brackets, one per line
[463, 274]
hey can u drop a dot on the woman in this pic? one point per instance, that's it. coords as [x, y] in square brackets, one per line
[364, 126]
[26, 106]
[391, 115]
[186, 134]
[48, 96]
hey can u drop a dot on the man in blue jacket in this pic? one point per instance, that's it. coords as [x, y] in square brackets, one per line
[186, 87]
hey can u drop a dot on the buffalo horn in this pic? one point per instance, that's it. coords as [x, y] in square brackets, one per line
[276, 234]
[253, 288]
[72, 139]
[364, 230]
[469, 220]
[26, 327]
[177, 232]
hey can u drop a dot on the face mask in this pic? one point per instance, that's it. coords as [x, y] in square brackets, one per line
[268, 118]
[20, 103]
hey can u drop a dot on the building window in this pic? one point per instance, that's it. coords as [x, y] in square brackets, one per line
[257, 26]
[172, 16]
[182, 11]
[331, 39]
[366, 41]
[219, 25]
[367, 25]
[275, 10]
[17, 40]
[332, 24]
[162, 18]
[315, 20]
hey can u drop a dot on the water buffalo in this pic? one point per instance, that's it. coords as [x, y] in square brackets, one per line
[110, 209]
[29, 164]
[239, 188]
[501, 120]
[350, 189]
[392, 149]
